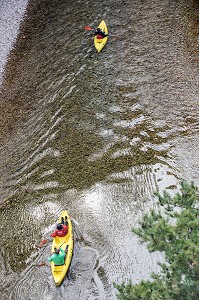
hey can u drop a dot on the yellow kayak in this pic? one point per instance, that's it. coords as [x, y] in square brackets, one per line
[59, 272]
[100, 43]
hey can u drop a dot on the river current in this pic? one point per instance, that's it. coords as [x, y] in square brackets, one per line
[96, 134]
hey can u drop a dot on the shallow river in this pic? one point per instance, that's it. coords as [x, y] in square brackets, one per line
[96, 134]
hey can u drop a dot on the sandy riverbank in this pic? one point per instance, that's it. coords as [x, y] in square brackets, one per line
[11, 16]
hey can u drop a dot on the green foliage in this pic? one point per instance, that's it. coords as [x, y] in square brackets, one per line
[174, 230]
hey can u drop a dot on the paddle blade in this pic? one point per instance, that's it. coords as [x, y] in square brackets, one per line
[88, 28]
[41, 264]
[43, 243]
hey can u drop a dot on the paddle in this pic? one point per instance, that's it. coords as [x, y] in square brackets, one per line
[43, 242]
[42, 264]
[88, 28]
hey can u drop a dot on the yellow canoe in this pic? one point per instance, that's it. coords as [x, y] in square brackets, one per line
[100, 43]
[59, 272]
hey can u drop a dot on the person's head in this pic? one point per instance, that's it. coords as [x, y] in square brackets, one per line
[57, 250]
[59, 227]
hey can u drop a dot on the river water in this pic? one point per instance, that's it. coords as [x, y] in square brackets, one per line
[96, 134]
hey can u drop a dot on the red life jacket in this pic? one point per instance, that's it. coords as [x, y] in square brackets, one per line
[60, 233]
[99, 36]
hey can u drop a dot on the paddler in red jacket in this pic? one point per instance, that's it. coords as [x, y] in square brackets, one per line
[61, 230]
[100, 34]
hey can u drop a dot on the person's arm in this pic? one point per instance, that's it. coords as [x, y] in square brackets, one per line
[62, 252]
[54, 234]
[65, 229]
[50, 258]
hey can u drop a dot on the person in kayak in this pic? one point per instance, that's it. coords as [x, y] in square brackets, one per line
[58, 257]
[61, 231]
[100, 34]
